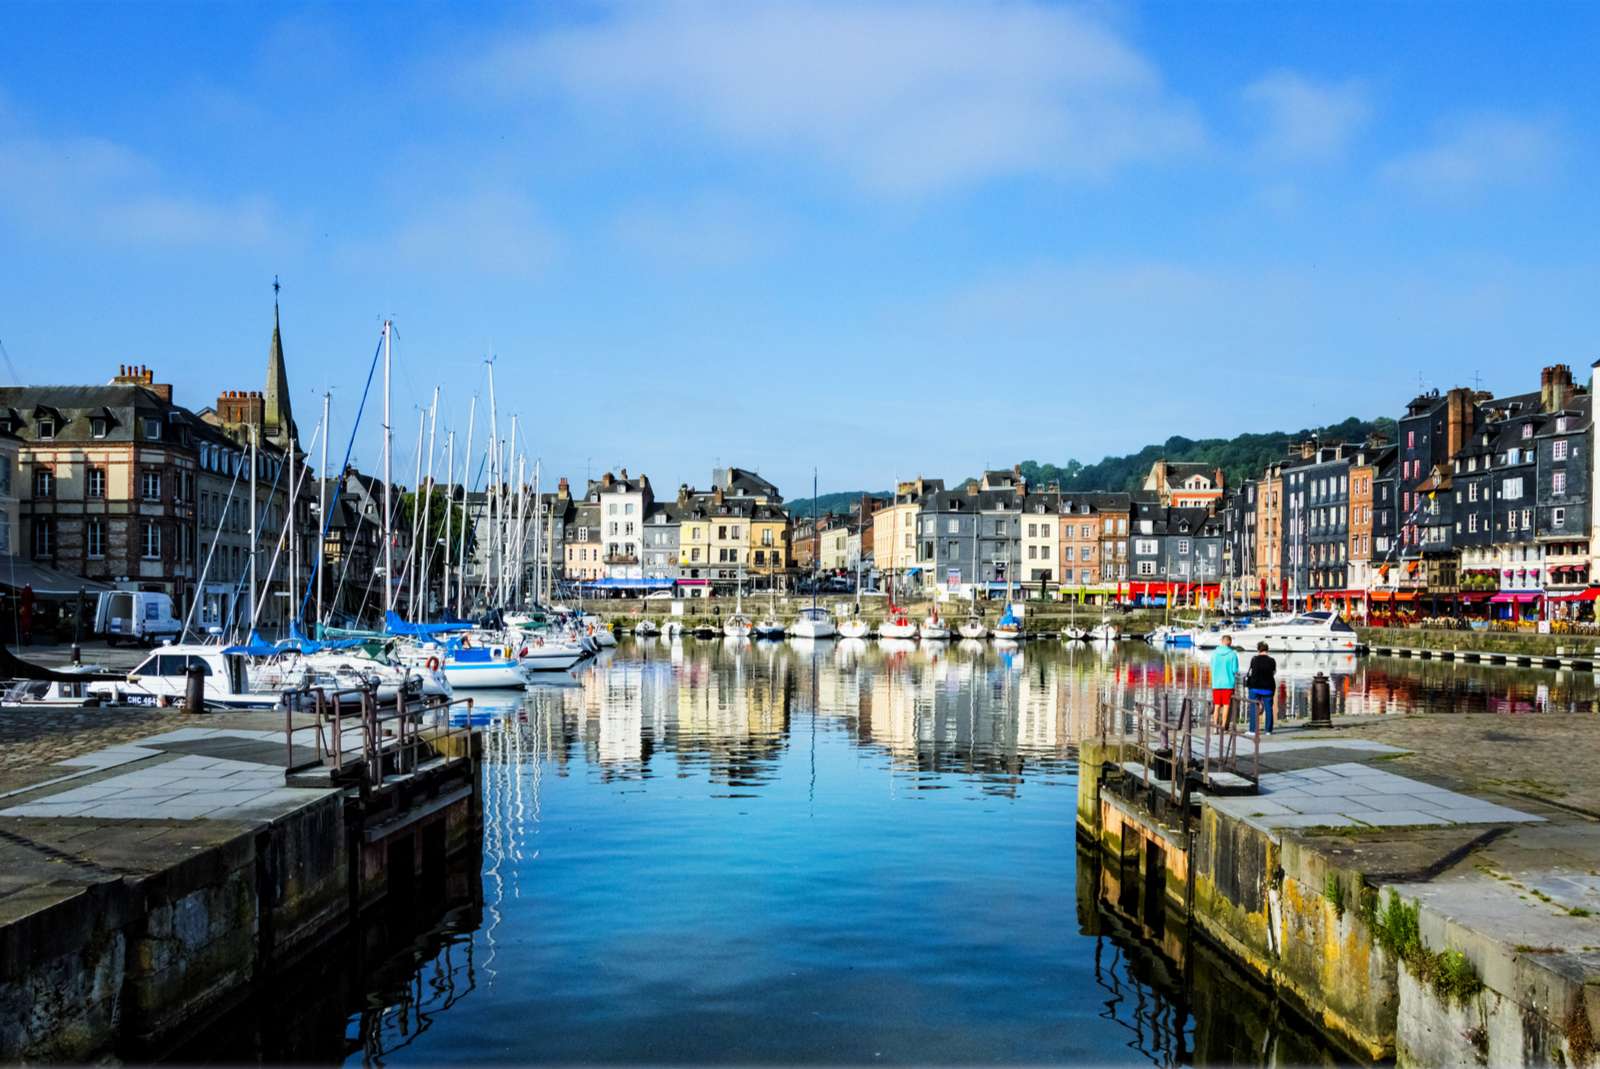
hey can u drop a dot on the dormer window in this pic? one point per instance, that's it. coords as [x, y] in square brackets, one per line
[152, 429]
[46, 429]
[97, 426]
[1527, 430]
[1561, 424]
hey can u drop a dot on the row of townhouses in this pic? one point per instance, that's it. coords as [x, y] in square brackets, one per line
[1482, 500]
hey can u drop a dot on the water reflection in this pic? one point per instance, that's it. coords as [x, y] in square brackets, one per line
[732, 851]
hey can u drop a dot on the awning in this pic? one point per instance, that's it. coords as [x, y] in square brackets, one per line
[15, 573]
[692, 582]
[913, 571]
[1586, 595]
[630, 584]
[1518, 598]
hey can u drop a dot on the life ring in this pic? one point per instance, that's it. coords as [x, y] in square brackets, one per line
[466, 643]
[538, 642]
[433, 664]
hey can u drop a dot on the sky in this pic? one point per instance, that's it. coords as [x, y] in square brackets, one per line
[872, 240]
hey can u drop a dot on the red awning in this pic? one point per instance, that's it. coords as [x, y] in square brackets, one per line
[1518, 598]
[1587, 595]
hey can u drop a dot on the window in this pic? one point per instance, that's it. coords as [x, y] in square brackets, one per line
[722, 532]
[46, 429]
[999, 527]
[94, 533]
[908, 541]
[94, 482]
[734, 532]
[1144, 546]
[1067, 553]
[1511, 489]
[1147, 567]
[44, 538]
[613, 508]
[97, 426]
[761, 557]
[1033, 530]
[1085, 576]
[694, 554]
[1527, 519]
[627, 528]
[1511, 520]
[1085, 532]
[766, 537]
[1472, 491]
[151, 485]
[1558, 519]
[1044, 530]
[5, 531]
[1183, 546]
[44, 482]
[1472, 522]
[152, 429]
[1527, 430]
[1032, 553]
[1558, 450]
[1087, 554]
[1558, 482]
[953, 526]
[627, 510]
[5, 475]
[954, 552]
[1411, 439]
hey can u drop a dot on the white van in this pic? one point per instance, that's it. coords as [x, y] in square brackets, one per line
[135, 616]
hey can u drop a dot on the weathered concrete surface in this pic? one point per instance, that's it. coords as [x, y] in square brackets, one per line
[1512, 643]
[1477, 825]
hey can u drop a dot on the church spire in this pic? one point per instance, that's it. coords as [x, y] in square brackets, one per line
[277, 417]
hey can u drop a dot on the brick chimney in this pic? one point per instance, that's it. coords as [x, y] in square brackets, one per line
[563, 491]
[972, 489]
[139, 375]
[1555, 387]
[624, 474]
[1459, 407]
[606, 480]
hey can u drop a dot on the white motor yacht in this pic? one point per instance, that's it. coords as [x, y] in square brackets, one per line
[1310, 632]
[646, 628]
[162, 679]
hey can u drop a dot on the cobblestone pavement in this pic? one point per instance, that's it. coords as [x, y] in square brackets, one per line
[31, 738]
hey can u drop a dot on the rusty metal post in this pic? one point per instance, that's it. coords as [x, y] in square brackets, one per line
[1321, 702]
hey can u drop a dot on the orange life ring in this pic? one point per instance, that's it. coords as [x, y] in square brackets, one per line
[433, 664]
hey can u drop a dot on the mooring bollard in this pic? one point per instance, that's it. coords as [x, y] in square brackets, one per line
[1321, 701]
[194, 697]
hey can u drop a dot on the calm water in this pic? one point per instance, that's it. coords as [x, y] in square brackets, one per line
[841, 853]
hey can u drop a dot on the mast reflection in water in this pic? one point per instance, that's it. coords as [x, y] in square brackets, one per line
[836, 852]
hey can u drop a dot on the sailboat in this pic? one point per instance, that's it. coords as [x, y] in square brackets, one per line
[856, 627]
[770, 626]
[738, 625]
[973, 626]
[1009, 628]
[814, 622]
[934, 627]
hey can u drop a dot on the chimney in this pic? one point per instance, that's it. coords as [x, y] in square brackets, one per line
[1458, 409]
[624, 474]
[716, 495]
[563, 491]
[1308, 448]
[683, 493]
[606, 480]
[1555, 387]
[644, 482]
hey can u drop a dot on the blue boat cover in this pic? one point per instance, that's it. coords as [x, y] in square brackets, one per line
[397, 626]
[256, 647]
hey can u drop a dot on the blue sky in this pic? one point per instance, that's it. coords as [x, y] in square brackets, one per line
[881, 240]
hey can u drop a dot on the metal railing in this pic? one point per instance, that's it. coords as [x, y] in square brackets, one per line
[391, 732]
[1161, 737]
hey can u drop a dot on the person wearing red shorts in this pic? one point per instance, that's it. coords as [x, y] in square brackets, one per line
[1224, 673]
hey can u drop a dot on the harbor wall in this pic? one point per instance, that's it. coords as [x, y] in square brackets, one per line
[1511, 643]
[1294, 915]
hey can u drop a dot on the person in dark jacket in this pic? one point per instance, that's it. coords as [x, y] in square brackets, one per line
[1262, 683]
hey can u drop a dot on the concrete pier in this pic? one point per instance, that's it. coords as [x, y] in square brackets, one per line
[1410, 910]
[146, 886]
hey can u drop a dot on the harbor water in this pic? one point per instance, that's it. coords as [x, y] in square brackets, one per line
[840, 852]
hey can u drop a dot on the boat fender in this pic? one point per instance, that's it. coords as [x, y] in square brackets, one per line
[523, 654]
[433, 664]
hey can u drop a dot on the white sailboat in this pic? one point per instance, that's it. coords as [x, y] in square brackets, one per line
[814, 622]
[737, 625]
[856, 627]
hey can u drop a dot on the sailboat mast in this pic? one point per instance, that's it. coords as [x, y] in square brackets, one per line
[255, 534]
[496, 564]
[388, 484]
[322, 501]
[449, 510]
[416, 519]
[427, 508]
[816, 538]
[461, 554]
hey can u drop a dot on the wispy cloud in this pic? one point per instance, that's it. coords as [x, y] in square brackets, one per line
[1478, 153]
[92, 190]
[903, 97]
[491, 233]
[1303, 121]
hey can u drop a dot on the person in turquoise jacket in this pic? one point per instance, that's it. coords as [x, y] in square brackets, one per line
[1224, 672]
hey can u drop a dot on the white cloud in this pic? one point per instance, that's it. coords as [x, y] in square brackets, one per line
[90, 189]
[488, 233]
[904, 97]
[1478, 153]
[1304, 121]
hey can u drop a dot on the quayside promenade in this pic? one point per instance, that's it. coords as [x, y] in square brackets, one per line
[1425, 887]
[155, 866]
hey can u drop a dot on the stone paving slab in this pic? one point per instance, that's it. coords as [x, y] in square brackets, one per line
[1348, 794]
